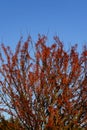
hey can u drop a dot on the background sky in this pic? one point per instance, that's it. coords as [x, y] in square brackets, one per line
[65, 18]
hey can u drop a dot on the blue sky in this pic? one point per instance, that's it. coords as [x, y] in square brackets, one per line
[65, 18]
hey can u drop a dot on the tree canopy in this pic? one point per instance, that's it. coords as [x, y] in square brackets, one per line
[46, 89]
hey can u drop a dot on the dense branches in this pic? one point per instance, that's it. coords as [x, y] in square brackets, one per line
[47, 89]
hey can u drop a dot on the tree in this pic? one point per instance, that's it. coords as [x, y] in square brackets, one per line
[10, 124]
[46, 90]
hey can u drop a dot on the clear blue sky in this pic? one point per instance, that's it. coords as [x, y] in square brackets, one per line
[65, 18]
